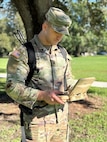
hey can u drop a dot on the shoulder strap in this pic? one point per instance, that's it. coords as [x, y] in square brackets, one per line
[64, 54]
[31, 60]
[63, 51]
[32, 65]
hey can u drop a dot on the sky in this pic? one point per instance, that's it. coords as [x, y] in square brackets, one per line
[1, 10]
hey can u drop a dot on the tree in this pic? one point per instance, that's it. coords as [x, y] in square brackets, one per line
[89, 26]
[7, 39]
[5, 45]
[32, 14]
[89, 21]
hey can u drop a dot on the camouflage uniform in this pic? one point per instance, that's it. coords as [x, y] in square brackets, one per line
[51, 65]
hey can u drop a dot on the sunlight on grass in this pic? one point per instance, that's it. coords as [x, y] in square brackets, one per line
[95, 66]
[7, 134]
[98, 91]
[90, 128]
[2, 84]
[3, 64]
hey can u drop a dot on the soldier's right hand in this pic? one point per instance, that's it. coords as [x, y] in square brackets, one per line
[50, 97]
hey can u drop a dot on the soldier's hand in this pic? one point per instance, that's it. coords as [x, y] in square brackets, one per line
[50, 97]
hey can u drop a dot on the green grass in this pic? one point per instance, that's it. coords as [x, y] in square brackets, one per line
[90, 128]
[81, 67]
[86, 128]
[6, 132]
[3, 64]
[90, 66]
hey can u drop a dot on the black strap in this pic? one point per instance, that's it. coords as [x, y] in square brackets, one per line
[64, 54]
[63, 51]
[31, 60]
[32, 67]
[21, 117]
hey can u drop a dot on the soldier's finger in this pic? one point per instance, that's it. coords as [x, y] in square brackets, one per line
[57, 99]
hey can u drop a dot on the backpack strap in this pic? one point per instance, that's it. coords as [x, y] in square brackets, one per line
[63, 51]
[31, 60]
[64, 54]
[32, 67]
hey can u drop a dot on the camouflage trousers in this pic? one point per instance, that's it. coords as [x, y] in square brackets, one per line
[46, 129]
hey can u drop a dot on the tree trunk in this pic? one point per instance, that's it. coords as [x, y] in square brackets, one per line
[32, 14]
[77, 51]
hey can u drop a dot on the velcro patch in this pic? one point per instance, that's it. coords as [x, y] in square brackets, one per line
[16, 54]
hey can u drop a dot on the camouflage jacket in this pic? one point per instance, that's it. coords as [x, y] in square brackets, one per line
[51, 66]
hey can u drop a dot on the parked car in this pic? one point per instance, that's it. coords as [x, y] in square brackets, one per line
[102, 53]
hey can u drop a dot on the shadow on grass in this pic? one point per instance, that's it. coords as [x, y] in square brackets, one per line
[5, 113]
[11, 117]
[4, 98]
[87, 104]
[2, 70]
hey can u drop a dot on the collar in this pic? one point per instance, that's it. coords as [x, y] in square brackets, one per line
[42, 47]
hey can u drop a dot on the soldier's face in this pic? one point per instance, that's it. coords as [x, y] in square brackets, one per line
[52, 37]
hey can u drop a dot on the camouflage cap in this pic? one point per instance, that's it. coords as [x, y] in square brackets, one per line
[59, 21]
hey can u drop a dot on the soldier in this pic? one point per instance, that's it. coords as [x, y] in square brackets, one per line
[43, 94]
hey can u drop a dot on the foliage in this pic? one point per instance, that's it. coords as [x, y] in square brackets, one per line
[4, 40]
[88, 32]
[7, 38]
[4, 44]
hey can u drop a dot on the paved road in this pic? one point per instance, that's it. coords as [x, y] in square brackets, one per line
[3, 75]
[94, 84]
[99, 84]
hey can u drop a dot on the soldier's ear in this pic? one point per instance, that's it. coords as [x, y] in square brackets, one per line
[44, 26]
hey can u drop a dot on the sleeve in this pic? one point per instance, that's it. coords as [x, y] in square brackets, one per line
[17, 71]
[69, 76]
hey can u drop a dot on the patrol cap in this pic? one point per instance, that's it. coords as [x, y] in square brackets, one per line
[59, 21]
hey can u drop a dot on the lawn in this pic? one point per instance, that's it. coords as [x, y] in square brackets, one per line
[81, 67]
[3, 63]
[90, 66]
[87, 118]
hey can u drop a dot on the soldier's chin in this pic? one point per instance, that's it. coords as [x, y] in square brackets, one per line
[56, 42]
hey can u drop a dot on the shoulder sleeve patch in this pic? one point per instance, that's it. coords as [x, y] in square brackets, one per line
[16, 54]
